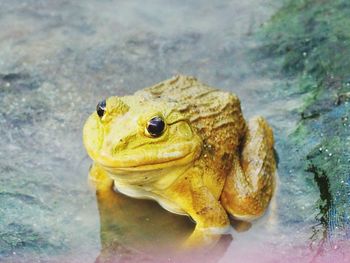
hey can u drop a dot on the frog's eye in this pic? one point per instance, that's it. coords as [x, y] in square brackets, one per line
[155, 126]
[101, 108]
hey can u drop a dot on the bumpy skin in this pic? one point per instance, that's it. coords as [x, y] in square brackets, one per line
[208, 161]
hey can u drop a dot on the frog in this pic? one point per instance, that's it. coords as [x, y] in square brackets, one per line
[187, 146]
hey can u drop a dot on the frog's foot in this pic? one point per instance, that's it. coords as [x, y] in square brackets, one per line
[204, 237]
[250, 185]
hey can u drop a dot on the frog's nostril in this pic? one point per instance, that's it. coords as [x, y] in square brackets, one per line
[101, 108]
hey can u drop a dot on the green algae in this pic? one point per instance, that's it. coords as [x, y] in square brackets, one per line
[308, 42]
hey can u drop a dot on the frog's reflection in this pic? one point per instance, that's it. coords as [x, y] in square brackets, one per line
[134, 230]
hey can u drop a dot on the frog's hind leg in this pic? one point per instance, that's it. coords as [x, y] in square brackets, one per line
[250, 185]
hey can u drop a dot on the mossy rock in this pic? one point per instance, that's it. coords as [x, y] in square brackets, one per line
[308, 42]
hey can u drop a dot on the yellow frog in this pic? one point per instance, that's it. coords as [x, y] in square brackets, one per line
[187, 146]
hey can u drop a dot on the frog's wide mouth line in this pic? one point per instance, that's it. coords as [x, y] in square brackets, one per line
[117, 165]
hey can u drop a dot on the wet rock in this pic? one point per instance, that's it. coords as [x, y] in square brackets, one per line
[18, 82]
[315, 50]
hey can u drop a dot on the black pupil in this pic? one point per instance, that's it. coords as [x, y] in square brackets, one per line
[100, 108]
[156, 126]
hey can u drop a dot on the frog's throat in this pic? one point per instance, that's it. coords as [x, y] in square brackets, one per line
[140, 193]
[150, 185]
[154, 180]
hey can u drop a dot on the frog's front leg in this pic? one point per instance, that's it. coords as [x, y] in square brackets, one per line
[98, 178]
[197, 201]
[250, 185]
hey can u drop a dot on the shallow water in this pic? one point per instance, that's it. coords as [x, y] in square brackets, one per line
[58, 59]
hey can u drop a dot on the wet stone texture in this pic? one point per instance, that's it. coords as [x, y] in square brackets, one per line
[313, 52]
[286, 61]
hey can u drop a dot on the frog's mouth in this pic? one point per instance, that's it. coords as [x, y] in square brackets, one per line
[140, 156]
[149, 159]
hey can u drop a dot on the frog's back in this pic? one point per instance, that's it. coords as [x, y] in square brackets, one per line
[214, 113]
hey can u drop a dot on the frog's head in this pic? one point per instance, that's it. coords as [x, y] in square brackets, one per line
[131, 134]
